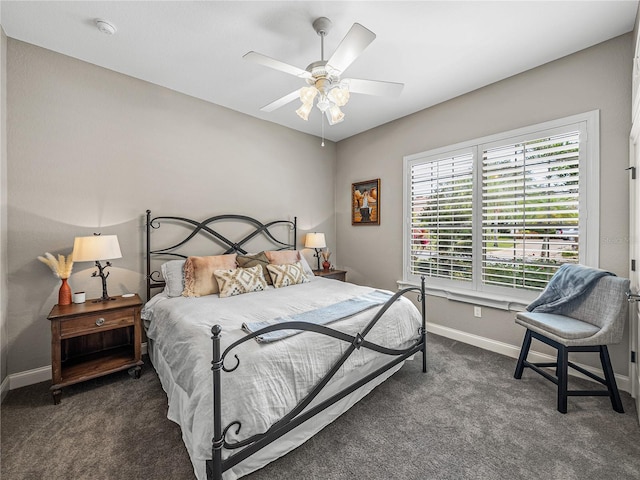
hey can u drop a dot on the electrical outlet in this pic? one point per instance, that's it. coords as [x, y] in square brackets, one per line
[477, 312]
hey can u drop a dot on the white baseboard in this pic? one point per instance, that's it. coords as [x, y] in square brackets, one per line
[513, 351]
[37, 375]
[29, 377]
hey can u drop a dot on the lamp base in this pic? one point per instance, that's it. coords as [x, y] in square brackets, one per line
[103, 276]
[317, 255]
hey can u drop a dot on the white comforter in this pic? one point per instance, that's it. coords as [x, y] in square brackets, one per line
[271, 378]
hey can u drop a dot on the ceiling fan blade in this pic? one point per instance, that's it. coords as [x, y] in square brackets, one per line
[374, 87]
[351, 46]
[276, 64]
[281, 101]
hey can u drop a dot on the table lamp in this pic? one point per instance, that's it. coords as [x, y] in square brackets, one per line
[315, 241]
[95, 248]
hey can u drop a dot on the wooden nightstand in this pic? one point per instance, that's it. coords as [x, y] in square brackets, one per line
[334, 274]
[92, 339]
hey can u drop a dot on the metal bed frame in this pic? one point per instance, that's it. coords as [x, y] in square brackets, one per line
[300, 413]
[154, 278]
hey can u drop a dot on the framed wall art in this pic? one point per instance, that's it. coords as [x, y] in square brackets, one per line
[365, 202]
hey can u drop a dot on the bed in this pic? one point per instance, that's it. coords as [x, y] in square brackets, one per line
[249, 377]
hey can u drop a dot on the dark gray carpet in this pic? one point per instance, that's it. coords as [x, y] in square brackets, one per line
[467, 418]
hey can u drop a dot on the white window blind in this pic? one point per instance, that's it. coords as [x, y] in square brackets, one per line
[442, 217]
[530, 210]
[492, 219]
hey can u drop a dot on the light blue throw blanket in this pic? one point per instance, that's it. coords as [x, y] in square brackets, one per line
[568, 283]
[319, 316]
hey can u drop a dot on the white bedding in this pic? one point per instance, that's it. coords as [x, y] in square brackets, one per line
[271, 378]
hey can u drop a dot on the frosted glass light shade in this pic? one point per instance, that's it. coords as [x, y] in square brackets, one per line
[323, 103]
[335, 115]
[96, 247]
[339, 96]
[315, 240]
[303, 111]
[308, 94]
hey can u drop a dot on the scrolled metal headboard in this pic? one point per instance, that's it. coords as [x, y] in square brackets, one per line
[206, 228]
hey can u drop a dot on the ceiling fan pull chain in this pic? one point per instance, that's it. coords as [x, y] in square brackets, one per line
[322, 119]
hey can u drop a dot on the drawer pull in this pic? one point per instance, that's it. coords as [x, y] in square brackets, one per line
[100, 322]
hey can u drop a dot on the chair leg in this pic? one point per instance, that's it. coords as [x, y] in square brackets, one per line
[563, 370]
[610, 378]
[524, 351]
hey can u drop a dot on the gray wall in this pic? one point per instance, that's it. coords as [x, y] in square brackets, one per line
[90, 150]
[595, 78]
[3, 207]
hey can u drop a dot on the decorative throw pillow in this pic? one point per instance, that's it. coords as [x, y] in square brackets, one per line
[240, 280]
[285, 275]
[261, 259]
[198, 273]
[283, 257]
[173, 274]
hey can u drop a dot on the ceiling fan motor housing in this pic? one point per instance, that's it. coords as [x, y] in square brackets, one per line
[322, 77]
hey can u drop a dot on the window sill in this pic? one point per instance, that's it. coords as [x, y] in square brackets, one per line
[499, 302]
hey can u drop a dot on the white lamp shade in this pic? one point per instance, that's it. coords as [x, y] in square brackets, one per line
[315, 240]
[96, 247]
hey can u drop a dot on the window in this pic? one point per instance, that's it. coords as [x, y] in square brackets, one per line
[442, 216]
[499, 215]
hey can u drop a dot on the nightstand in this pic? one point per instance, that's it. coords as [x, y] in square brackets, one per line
[334, 274]
[92, 339]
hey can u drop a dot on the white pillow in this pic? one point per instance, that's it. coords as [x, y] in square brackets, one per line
[173, 274]
[305, 267]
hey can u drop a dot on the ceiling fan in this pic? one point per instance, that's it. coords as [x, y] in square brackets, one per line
[323, 76]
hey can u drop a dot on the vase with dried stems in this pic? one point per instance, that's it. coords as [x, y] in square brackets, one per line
[61, 268]
[326, 254]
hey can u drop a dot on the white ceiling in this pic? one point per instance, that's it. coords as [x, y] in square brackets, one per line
[438, 49]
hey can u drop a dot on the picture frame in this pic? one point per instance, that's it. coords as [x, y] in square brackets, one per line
[365, 202]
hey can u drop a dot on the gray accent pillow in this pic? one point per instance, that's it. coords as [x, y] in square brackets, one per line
[247, 261]
[173, 274]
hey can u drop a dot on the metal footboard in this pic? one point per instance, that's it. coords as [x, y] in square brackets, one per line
[300, 414]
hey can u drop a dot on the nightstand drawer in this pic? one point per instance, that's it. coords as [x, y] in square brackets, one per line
[97, 322]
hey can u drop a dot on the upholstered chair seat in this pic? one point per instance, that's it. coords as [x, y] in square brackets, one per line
[566, 330]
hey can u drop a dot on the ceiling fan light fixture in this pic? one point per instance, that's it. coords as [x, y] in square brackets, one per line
[323, 104]
[308, 94]
[335, 115]
[339, 96]
[325, 87]
[304, 110]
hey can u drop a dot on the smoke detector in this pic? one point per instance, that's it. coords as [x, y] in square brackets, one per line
[105, 27]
